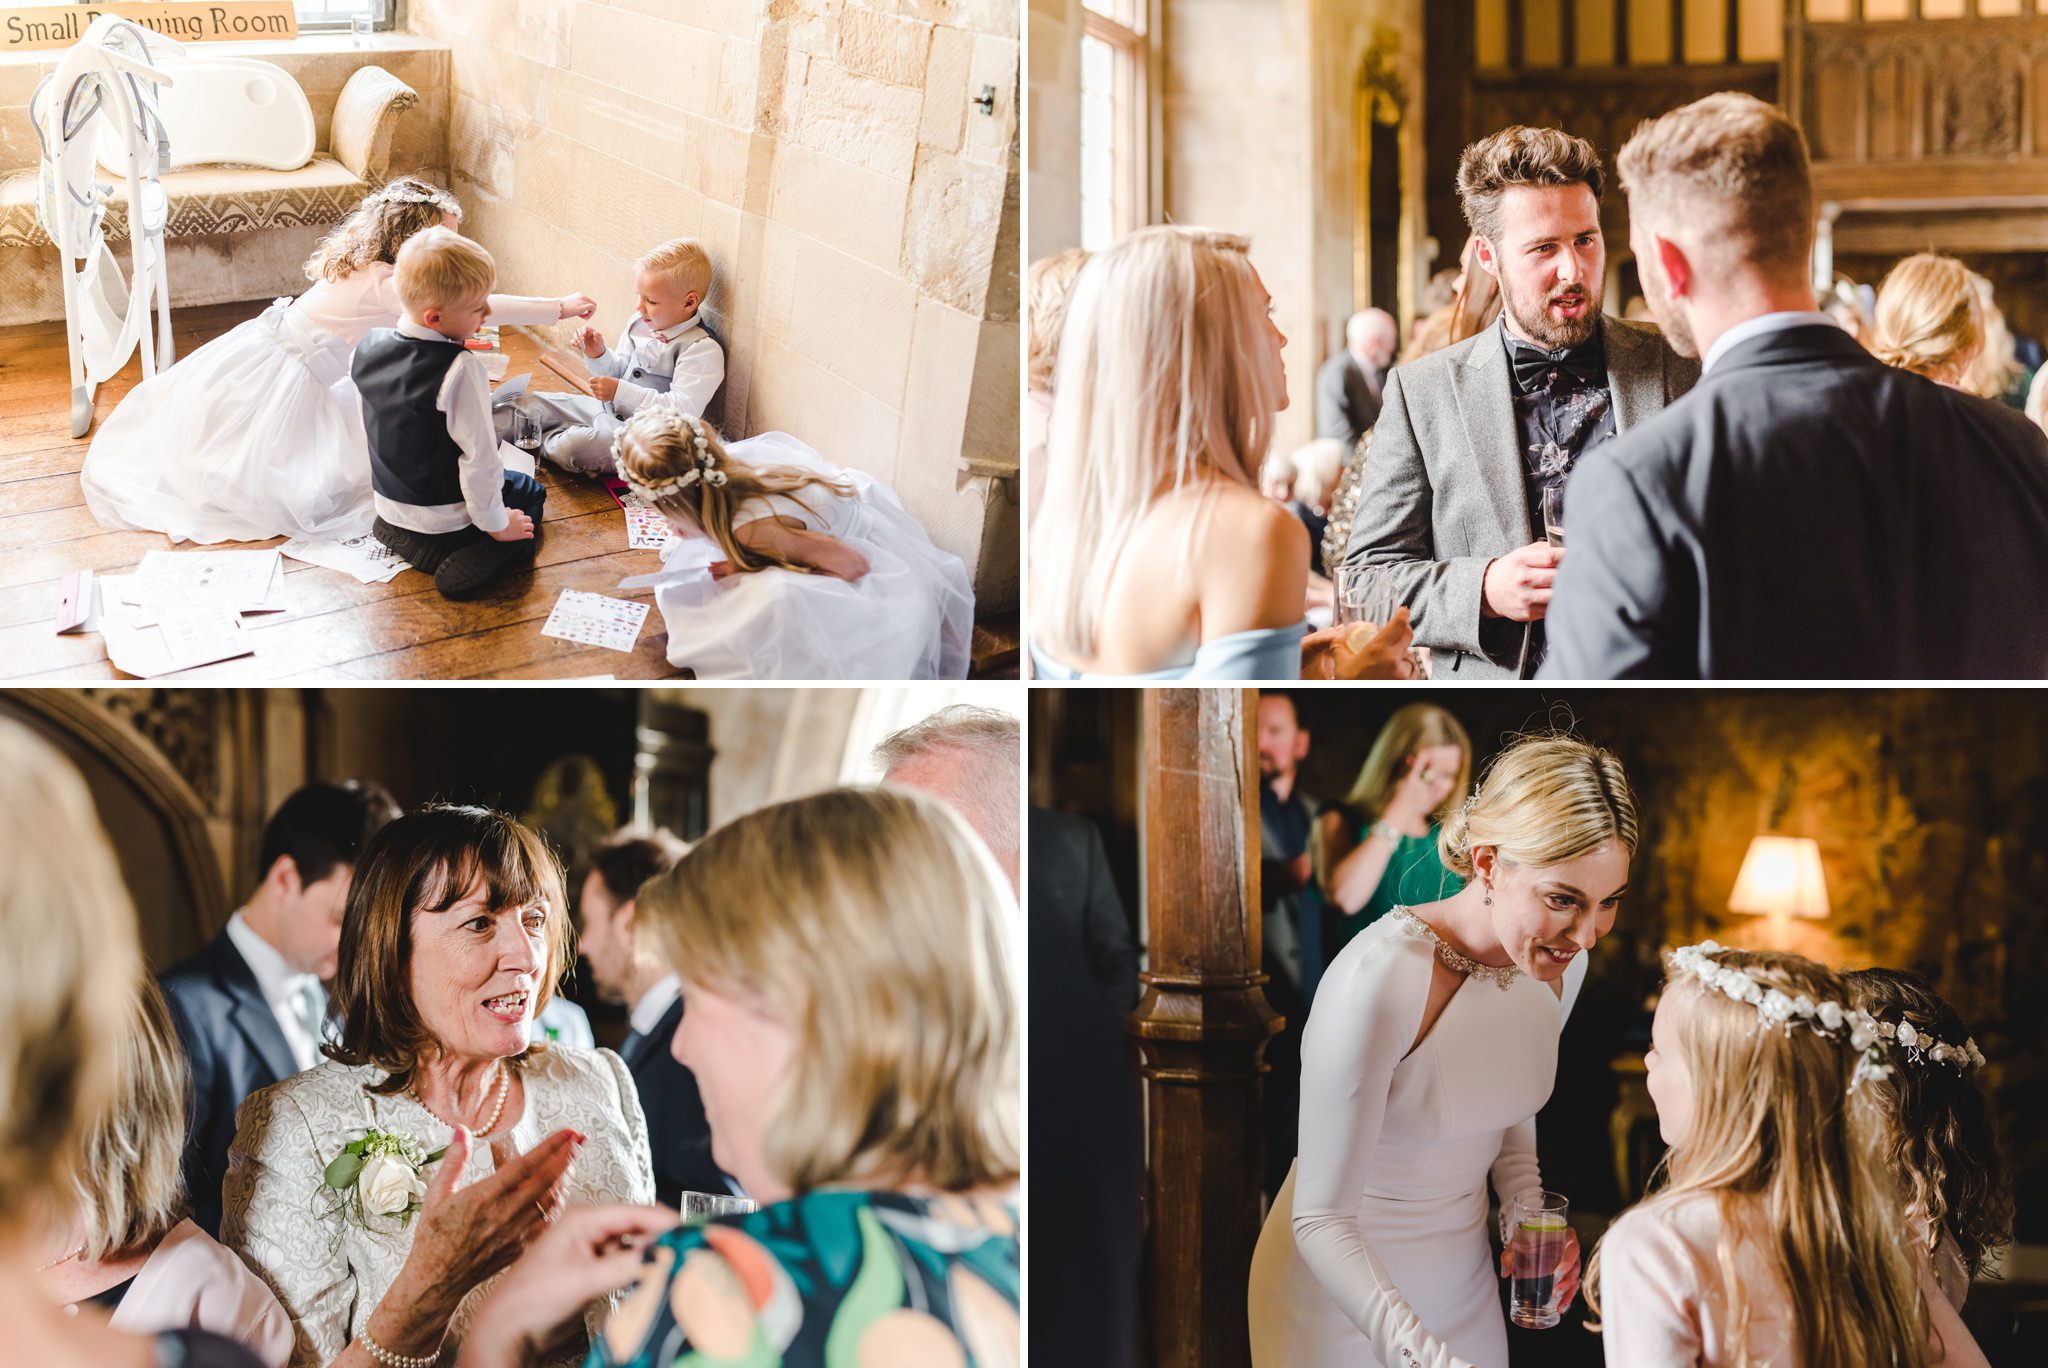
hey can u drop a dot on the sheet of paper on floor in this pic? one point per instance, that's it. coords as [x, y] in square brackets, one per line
[367, 559]
[239, 581]
[515, 459]
[182, 640]
[595, 620]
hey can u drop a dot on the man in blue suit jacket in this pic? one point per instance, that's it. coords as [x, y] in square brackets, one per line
[626, 971]
[250, 1007]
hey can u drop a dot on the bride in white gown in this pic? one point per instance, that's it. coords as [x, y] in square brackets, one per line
[1432, 1045]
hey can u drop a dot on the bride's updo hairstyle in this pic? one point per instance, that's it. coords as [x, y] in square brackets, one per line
[66, 980]
[879, 928]
[1546, 799]
[1794, 1160]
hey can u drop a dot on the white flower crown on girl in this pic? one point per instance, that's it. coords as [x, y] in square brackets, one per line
[393, 194]
[672, 425]
[1866, 1034]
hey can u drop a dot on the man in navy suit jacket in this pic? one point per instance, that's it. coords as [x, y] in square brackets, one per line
[626, 971]
[250, 1007]
[1807, 512]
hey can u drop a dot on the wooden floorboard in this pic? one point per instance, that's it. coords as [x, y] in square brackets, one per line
[334, 627]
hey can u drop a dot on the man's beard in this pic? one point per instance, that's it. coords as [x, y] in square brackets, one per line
[1569, 332]
[1268, 767]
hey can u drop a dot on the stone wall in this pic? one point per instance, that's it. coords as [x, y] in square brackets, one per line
[861, 212]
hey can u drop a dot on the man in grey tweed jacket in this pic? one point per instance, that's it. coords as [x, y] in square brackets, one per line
[1469, 437]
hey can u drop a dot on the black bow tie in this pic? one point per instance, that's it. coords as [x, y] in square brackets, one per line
[1587, 363]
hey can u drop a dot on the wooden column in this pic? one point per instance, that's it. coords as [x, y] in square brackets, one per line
[1203, 1022]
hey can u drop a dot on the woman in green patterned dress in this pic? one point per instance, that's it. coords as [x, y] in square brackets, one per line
[1378, 849]
[847, 961]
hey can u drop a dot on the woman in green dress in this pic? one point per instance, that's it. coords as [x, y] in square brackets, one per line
[1377, 850]
[847, 965]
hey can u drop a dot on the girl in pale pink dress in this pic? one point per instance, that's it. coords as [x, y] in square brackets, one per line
[259, 433]
[1778, 1235]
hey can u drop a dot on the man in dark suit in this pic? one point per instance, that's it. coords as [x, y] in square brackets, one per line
[1349, 384]
[1806, 512]
[250, 1007]
[626, 971]
[1085, 1132]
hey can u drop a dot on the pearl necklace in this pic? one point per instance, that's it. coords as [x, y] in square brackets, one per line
[1500, 976]
[490, 1126]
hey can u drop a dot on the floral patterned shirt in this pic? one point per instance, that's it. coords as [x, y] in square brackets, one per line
[831, 1279]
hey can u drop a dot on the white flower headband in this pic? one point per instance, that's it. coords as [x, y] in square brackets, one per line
[704, 464]
[1776, 1008]
[441, 199]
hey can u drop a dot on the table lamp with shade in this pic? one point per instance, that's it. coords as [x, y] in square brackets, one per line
[1781, 877]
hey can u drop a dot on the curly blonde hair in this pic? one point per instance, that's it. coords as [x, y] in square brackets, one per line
[682, 466]
[379, 226]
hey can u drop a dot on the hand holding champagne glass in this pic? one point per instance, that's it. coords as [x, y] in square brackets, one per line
[1553, 515]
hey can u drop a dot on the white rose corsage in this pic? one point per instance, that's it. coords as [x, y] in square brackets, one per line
[378, 1174]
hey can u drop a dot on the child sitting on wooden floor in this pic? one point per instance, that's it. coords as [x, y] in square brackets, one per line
[444, 499]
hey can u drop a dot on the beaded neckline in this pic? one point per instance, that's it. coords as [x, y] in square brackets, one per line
[1500, 976]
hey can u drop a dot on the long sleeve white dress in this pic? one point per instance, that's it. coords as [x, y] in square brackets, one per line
[330, 1271]
[259, 433]
[1375, 1254]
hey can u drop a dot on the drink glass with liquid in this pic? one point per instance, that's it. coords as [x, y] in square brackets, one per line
[1553, 515]
[525, 430]
[1537, 1233]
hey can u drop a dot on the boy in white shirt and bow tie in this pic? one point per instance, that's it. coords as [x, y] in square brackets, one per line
[664, 358]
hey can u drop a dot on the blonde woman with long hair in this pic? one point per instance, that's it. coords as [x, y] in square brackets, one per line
[1930, 320]
[848, 962]
[65, 985]
[1378, 850]
[130, 1248]
[1776, 1233]
[1154, 554]
[785, 566]
[259, 433]
[1431, 1047]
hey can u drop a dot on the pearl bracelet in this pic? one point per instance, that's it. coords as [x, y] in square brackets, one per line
[1387, 832]
[393, 1359]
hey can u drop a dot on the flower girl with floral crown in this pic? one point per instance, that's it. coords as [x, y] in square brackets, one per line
[1777, 1234]
[816, 572]
[259, 433]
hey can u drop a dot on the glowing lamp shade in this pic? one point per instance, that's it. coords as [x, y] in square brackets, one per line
[1781, 877]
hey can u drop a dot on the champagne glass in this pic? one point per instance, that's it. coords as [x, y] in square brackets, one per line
[1538, 1231]
[1553, 515]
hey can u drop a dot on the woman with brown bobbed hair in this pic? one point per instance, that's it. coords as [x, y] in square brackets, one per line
[378, 1191]
[66, 987]
[852, 1020]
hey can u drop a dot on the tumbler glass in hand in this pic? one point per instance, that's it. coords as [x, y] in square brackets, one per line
[1364, 594]
[1537, 1235]
[699, 1207]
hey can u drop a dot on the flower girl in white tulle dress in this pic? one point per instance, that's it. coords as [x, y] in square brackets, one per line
[259, 433]
[785, 566]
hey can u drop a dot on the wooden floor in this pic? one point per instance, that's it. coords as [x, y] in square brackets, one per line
[335, 628]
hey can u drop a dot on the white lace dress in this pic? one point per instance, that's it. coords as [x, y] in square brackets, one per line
[330, 1273]
[1375, 1254]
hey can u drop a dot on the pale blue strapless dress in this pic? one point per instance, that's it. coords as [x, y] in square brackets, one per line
[1262, 653]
